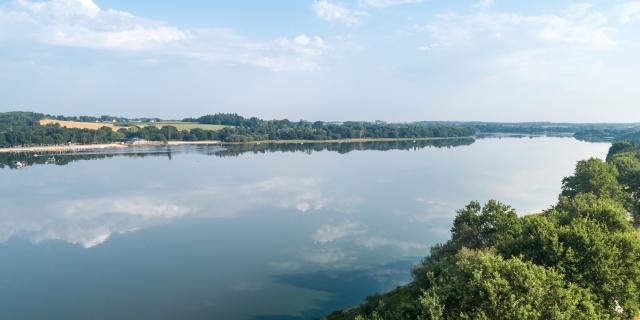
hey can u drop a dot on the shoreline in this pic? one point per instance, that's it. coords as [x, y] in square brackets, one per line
[84, 147]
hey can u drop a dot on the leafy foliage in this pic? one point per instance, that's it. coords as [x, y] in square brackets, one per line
[593, 176]
[249, 129]
[478, 227]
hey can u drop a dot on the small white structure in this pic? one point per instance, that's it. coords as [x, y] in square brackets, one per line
[133, 141]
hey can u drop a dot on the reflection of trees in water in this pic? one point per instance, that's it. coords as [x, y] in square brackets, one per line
[21, 160]
[341, 147]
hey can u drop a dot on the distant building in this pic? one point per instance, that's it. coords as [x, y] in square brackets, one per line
[132, 141]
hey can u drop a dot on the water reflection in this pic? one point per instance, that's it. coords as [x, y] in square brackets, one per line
[344, 147]
[25, 159]
[245, 232]
[346, 286]
[89, 221]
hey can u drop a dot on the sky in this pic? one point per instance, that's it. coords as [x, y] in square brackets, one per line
[392, 60]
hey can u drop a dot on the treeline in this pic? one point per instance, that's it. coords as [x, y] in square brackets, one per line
[609, 135]
[580, 259]
[254, 129]
[535, 128]
[103, 118]
[23, 128]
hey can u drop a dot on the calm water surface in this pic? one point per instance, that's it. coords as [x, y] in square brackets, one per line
[207, 233]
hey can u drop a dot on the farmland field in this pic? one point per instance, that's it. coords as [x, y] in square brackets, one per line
[78, 124]
[115, 126]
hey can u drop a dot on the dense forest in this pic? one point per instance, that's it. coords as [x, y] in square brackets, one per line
[241, 128]
[580, 259]
[23, 128]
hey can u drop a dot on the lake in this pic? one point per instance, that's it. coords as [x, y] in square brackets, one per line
[248, 232]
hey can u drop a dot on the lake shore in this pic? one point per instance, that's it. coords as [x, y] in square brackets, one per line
[85, 147]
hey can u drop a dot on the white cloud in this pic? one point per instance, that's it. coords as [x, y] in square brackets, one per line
[90, 221]
[134, 206]
[484, 4]
[138, 38]
[556, 50]
[300, 194]
[627, 12]
[378, 242]
[225, 46]
[434, 46]
[327, 256]
[579, 25]
[331, 233]
[83, 24]
[305, 51]
[379, 4]
[577, 56]
[330, 11]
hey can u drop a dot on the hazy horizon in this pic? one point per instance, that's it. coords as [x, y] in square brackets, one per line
[329, 60]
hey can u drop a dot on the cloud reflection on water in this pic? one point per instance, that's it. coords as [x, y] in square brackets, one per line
[91, 221]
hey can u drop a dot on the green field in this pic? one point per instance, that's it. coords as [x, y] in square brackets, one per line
[178, 124]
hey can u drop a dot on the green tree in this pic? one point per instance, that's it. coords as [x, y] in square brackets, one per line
[593, 176]
[478, 226]
[620, 147]
[479, 284]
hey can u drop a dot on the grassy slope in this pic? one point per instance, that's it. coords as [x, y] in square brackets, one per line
[78, 125]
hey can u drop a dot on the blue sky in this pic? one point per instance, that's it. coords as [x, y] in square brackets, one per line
[395, 60]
